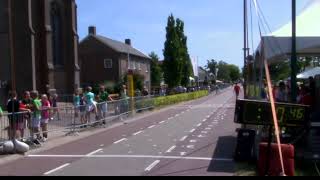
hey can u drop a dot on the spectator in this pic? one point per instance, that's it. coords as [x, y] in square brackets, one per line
[264, 91]
[82, 110]
[305, 97]
[124, 104]
[54, 103]
[104, 97]
[45, 116]
[76, 102]
[25, 104]
[36, 117]
[15, 119]
[91, 104]
[145, 92]
[281, 94]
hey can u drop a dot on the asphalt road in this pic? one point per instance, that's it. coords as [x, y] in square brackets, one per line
[195, 139]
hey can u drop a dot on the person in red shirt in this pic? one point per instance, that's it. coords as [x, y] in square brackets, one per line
[237, 90]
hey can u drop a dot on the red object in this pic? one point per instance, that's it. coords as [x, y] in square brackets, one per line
[274, 160]
[237, 89]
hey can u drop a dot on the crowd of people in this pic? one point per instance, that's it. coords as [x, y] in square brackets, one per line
[282, 93]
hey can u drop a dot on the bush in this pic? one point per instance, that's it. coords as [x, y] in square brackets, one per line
[174, 99]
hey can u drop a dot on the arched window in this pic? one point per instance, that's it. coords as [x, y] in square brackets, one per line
[56, 24]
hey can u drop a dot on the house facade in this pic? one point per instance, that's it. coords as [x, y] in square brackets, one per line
[45, 46]
[106, 60]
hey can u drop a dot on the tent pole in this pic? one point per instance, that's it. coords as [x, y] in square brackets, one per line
[294, 55]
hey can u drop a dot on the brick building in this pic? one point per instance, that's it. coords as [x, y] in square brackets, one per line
[106, 60]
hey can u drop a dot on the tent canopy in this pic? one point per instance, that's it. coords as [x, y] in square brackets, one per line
[277, 46]
[309, 73]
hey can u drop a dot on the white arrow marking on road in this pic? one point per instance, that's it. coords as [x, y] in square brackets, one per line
[117, 142]
[151, 166]
[171, 149]
[137, 133]
[57, 169]
[183, 138]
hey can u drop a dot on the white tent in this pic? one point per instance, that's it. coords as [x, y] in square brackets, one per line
[277, 46]
[309, 73]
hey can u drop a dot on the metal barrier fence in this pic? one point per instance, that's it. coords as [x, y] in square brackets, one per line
[69, 120]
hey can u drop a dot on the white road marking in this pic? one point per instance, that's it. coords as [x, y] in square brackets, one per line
[129, 156]
[162, 122]
[204, 120]
[57, 169]
[117, 142]
[193, 130]
[204, 132]
[137, 133]
[94, 152]
[183, 138]
[201, 136]
[199, 125]
[154, 145]
[183, 153]
[208, 116]
[177, 115]
[190, 146]
[101, 145]
[171, 149]
[151, 127]
[170, 118]
[151, 166]
[193, 141]
[208, 129]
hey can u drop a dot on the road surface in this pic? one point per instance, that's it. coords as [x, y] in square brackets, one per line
[194, 139]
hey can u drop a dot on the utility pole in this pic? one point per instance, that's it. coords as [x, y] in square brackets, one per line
[294, 55]
[245, 48]
[11, 41]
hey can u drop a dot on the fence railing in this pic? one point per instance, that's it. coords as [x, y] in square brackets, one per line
[68, 119]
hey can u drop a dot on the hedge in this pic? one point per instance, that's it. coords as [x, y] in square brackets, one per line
[174, 99]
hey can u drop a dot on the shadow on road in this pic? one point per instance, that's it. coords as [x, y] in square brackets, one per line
[224, 150]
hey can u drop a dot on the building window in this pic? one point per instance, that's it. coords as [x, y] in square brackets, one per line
[148, 68]
[56, 24]
[108, 63]
[139, 66]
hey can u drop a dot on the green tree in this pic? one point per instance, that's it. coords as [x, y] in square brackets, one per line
[172, 65]
[156, 72]
[224, 71]
[234, 71]
[212, 66]
[187, 70]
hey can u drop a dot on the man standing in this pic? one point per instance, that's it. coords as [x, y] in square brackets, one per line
[237, 90]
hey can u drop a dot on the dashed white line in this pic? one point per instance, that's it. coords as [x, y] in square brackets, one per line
[57, 169]
[137, 133]
[171, 149]
[193, 130]
[199, 125]
[183, 138]
[204, 120]
[151, 127]
[162, 122]
[117, 142]
[151, 166]
[94, 152]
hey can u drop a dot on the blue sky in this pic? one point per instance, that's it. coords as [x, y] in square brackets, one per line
[214, 27]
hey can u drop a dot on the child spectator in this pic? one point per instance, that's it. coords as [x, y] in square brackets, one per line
[36, 117]
[76, 103]
[25, 105]
[45, 116]
[91, 105]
